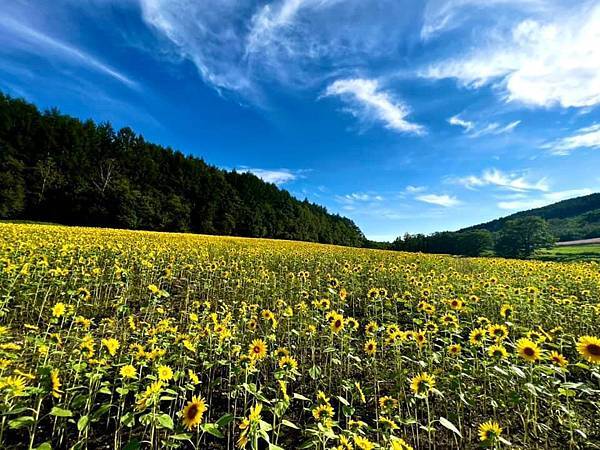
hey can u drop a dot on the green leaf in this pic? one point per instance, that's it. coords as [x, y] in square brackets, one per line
[128, 419]
[132, 445]
[275, 447]
[447, 424]
[165, 421]
[181, 437]
[212, 428]
[314, 372]
[300, 397]
[83, 422]
[59, 412]
[44, 446]
[289, 424]
[20, 422]
[225, 420]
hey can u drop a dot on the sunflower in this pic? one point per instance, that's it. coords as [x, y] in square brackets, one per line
[489, 431]
[387, 424]
[454, 349]
[56, 384]
[192, 413]
[288, 363]
[128, 371]
[370, 347]
[388, 403]
[337, 324]
[477, 336]
[112, 345]
[589, 348]
[352, 323]
[58, 310]
[497, 351]
[498, 332]
[258, 349]
[399, 444]
[528, 350]
[456, 304]
[165, 373]
[363, 443]
[344, 444]
[371, 328]
[558, 359]
[421, 384]
[373, 293]
[324, 414]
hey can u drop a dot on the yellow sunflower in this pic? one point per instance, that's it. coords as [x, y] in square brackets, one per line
[489, 431]
[477, 336]
[258, 349]
[399, 444]
[192, 413]
[558, 359]
[421, 384]
[128, 371]
[288, 363]
[528, 350]
[497, 351]
[589, 348]
[370, 347]
[165, 373]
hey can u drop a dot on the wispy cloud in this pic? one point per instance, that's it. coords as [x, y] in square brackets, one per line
[511, 181]
[457, 121]
[277, 176]
[588, 137]
[545, 199]
[474, 129]
[368, 102]
[441, 200]
[542, 62]
[38, 43]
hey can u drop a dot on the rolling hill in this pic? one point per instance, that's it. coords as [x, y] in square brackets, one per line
[576, 218]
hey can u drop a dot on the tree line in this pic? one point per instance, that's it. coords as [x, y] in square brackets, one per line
[57, 168]
[517, 238]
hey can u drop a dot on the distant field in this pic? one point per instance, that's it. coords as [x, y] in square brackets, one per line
[571, 253]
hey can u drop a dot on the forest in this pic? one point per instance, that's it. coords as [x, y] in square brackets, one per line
[59, 169]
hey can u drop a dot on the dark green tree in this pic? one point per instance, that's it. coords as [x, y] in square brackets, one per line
[520, 238]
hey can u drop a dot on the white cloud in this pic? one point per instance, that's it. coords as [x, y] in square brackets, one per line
[546, 199]
[588, 137]
[511, 181]
[278, 177]
[415, 189]
[542, 62]
[475, 130]
[368, 102]
[34, 41]
[354, 197]
[441, 200]
[466, 124]
[444, 15]
[241, 45]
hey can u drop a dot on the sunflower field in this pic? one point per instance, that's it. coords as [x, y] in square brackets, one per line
[123, 339]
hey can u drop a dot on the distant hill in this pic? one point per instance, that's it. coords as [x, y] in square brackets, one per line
[56, 168]
[576, 218]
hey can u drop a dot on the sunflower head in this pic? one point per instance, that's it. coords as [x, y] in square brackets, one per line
[422, 384]
[528, 350]
[558, 359]
[192, 413]
[589, 348]
[489, 431]
[257, 349]
[371, 347]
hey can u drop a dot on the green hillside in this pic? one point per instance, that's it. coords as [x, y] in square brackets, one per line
[576, 218]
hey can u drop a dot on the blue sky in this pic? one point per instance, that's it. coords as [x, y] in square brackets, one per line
[406, 116]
